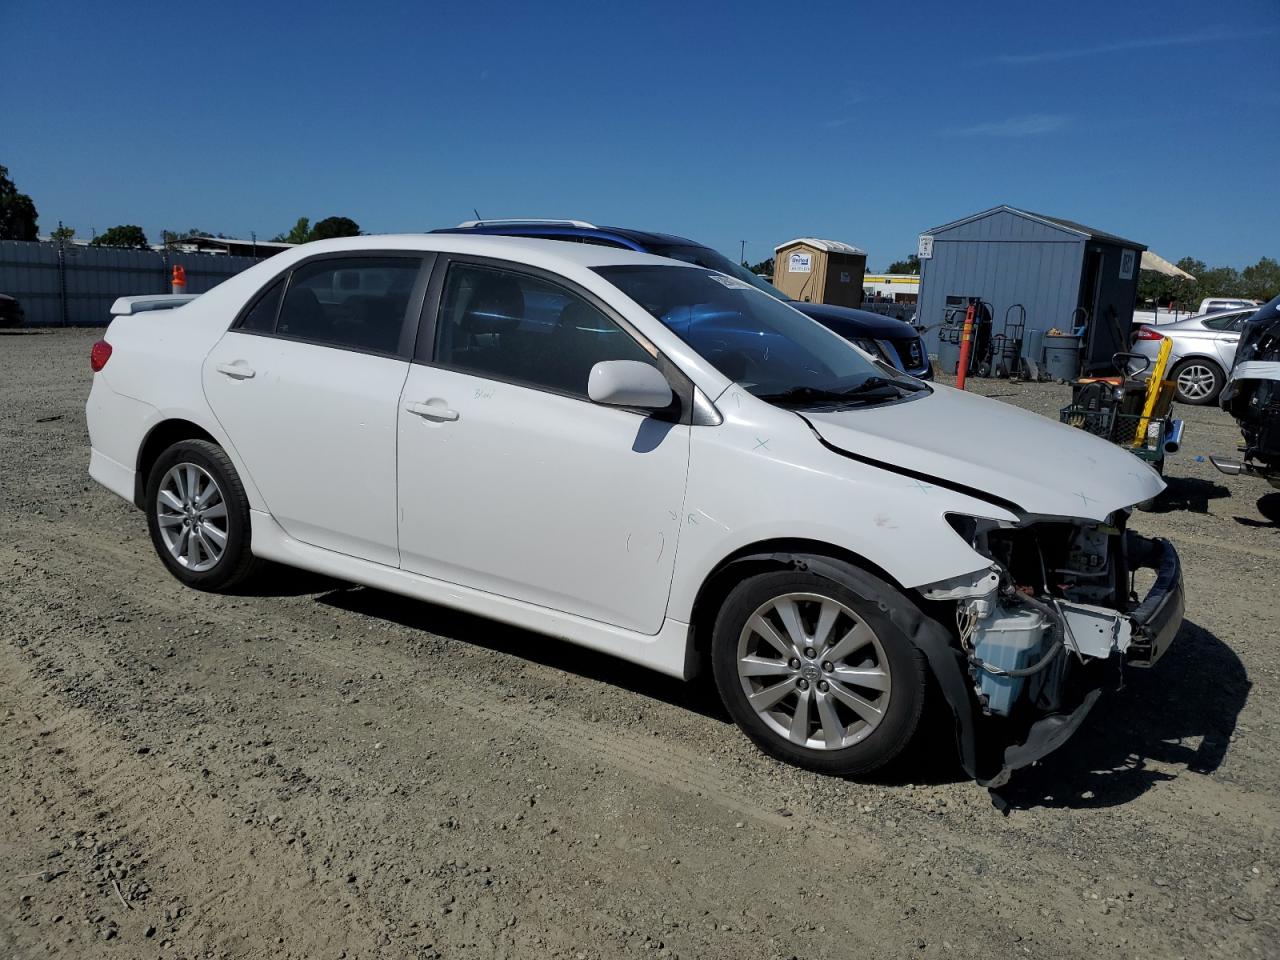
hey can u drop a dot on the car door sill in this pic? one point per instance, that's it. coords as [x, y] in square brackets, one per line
[663, 651]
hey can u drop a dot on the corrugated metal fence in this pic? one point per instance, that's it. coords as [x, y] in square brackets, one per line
[75, 285]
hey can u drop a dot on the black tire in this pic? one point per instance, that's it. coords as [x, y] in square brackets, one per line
[236, 563]
[907, 669]
[1211, 368]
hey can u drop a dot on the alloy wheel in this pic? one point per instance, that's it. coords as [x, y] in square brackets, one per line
[192, 515]
[1196, 381]
[814, 671]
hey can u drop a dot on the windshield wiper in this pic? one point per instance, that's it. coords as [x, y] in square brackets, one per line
[869, 390]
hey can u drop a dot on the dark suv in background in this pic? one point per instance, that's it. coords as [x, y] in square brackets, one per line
[894, 341]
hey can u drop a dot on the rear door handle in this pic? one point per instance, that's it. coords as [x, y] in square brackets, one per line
[431, 411]
[236, 371]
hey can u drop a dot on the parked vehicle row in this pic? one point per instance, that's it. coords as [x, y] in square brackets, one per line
[650, 458]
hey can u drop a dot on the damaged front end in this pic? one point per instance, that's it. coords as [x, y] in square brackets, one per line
[1046, 628]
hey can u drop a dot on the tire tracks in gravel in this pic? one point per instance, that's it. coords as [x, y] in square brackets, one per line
[192, 853]
[655, 759]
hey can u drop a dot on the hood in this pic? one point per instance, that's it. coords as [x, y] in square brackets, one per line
[859, 323]
[964, 440]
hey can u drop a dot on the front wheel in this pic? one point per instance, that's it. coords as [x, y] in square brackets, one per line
[198, 516]
[817, 674]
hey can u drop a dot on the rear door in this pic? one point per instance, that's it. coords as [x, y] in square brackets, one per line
[1228, 336]
[306, 384]
[511, 480]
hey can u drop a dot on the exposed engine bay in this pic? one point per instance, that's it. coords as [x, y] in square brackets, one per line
[1053, 621]
[1252, 396]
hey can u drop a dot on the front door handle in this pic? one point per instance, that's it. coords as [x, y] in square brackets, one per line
[431, 411]
[236, 371]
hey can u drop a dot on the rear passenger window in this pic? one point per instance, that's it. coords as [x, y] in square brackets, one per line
[357, 303]
[262, 315]
[516, 327]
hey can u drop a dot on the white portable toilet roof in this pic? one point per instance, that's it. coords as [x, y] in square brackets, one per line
[827, 246]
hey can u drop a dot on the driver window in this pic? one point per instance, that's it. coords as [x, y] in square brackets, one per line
[512, 326]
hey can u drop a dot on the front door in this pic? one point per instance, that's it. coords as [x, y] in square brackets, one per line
[511, 481]
[306, 385]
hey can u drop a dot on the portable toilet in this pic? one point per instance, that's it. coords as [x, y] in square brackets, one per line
[820, 271]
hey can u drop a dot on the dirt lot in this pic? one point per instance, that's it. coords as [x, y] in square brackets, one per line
[319, 770]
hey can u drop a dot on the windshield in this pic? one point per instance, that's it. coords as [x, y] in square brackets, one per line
[712, 260]
[770, 349]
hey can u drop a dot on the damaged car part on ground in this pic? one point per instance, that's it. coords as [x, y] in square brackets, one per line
[1252, 396]
[650, 459]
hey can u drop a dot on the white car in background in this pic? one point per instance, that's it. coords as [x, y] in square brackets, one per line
[1203, 350]
[647, 458]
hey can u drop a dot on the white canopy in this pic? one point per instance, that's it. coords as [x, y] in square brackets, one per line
[1153, 261]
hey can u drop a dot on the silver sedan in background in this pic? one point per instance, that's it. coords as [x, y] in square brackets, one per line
[1203, 348]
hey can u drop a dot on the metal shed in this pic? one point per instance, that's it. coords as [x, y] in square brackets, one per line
[1066, 275]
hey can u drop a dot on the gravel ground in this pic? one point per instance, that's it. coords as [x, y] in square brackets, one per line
[319, 770]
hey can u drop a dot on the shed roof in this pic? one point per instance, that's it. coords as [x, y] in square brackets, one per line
[828, 246]
[1069, 225]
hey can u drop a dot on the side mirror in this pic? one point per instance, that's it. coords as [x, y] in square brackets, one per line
[628, 383]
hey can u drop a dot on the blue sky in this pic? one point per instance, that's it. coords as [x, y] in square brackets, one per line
[723, 122]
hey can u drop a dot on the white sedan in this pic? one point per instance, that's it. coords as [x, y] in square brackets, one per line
[643, 457]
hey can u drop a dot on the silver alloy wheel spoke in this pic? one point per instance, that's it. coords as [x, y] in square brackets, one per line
[832, 728]
[866, 710]
[800, 720]
[763, 667]
[826, 620]
[814, 671]
[789, 614]
[860, 636]
[872, 678]
[766, 698]
[764, 629]
[191, 515]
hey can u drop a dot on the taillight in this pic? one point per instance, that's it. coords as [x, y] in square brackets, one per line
[99, 355]
[1146, 333]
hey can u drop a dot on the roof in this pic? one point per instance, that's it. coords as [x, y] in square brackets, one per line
[828, 246]
[568, 228]
[1071, 226]
[550, 254]
[204, 240]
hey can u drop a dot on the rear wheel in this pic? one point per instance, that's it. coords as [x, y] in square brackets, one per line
[816, 674]
[198, 516]
[1199, 381]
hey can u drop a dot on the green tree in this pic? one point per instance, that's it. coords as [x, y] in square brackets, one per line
[62, 234]
[124, 235]
[331, 227]
[764, 268]
[17, 211]
[909, 265]
[1261, 281]
[301, 233]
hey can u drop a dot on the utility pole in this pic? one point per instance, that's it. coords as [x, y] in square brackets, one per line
[254, 235]
[742, 252]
